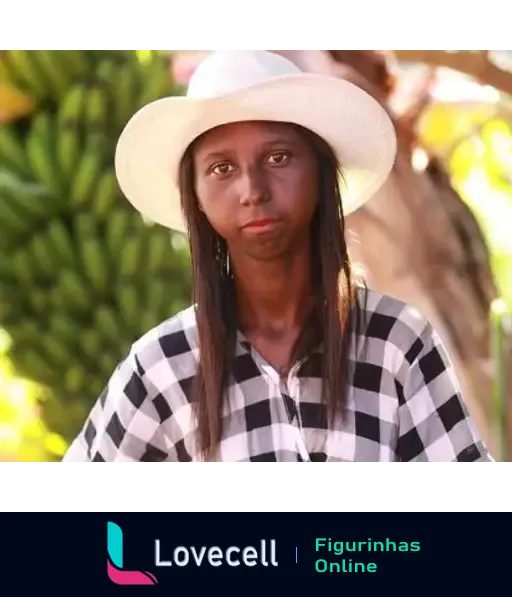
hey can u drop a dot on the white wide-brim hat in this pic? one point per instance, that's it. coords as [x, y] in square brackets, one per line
[252, 85]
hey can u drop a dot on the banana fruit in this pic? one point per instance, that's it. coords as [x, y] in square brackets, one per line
[81, 274]
[44, 74]
[25, 73]
[12, 152]
[106, 195]
[88, 172]
[40, 144]
[69, 135]
[128, 89]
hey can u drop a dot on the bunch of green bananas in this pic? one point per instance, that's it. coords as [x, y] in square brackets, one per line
[44, 74]
[81, 274]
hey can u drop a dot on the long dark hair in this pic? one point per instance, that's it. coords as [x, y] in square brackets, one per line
[332, 324]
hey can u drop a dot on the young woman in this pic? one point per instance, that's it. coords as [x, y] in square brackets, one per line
[283, 356]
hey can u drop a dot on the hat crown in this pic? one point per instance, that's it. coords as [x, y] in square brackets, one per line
[226, 71]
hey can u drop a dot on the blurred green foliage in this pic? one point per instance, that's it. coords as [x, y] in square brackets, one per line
[82, 275]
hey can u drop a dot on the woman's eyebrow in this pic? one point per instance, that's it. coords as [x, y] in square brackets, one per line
[279, 140]
[214, 155]
[221, 153]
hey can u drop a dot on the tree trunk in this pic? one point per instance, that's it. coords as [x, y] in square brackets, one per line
[418, 241]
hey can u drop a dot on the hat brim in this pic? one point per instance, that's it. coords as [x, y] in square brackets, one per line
[356, 126]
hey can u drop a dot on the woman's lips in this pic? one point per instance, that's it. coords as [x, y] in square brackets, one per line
[261, 225]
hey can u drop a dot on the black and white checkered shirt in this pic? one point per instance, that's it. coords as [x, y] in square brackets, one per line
[405, 403]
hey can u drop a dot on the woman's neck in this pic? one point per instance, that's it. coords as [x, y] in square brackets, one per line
[276, 296]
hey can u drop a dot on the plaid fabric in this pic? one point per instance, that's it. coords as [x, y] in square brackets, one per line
[405, 402]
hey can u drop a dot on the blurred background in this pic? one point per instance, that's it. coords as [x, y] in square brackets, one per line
[82, 275]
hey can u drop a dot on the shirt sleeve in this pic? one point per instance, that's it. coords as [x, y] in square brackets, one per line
[123, 424]
[434, 421]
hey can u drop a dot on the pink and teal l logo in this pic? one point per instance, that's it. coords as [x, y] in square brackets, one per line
[115, 567]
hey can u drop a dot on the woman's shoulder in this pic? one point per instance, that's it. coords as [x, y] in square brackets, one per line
[388, 323]
[173, 341]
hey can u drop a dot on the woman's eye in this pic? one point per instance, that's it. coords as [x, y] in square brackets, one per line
[224, 168]
[280, 158]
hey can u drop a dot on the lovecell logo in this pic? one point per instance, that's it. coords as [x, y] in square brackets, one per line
[115, 561]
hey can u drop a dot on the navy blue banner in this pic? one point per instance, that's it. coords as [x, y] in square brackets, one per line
[459, 554]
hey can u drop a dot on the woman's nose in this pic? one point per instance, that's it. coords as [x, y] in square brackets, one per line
[254, 188]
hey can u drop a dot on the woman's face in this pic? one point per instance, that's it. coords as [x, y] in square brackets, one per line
[257, 183]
